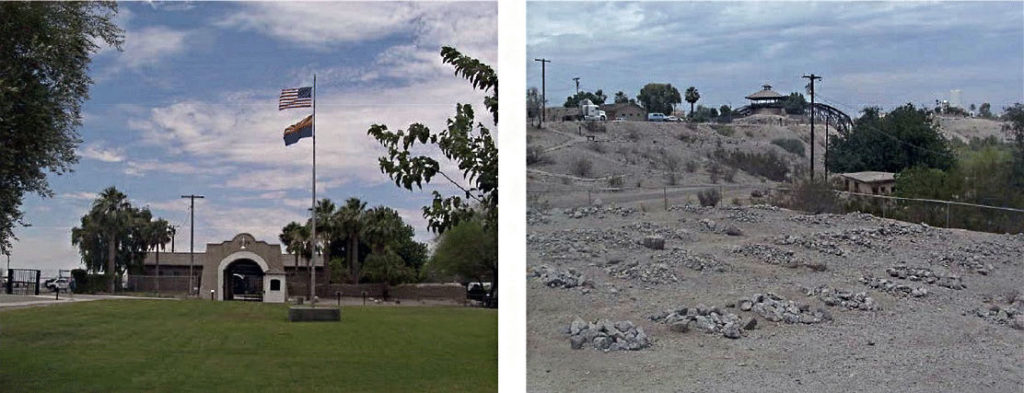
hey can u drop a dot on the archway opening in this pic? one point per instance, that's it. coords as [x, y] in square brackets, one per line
[243, 280]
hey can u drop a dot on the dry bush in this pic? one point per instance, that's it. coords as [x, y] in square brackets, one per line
[633, 135]
[691, 166]
[814, 197]
[595, 126]
[724, 130]
[581, 166]
[766, 164]
[709, 197]
[730, 174]
[714, 171]
[535, 155]
[736, 202]
[672, 178]
[686, 138]
[597, 147]
[792, 145]
[615, 181]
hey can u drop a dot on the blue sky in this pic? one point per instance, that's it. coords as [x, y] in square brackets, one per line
[190, 106]
[869, 53]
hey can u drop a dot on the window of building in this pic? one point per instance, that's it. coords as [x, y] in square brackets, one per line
[275, 285]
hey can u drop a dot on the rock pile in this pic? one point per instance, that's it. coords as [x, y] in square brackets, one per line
[892, 287]
[818, 242]
[554, 278]
[537, 216]
[600, 212]
[776, 256]
[607, 336]
[679, 256]
[650, 273]
[843, 298]
[904, 272]
[709, 225]
[776, 308]
[709, 320]
[1011, 315]
[970, 258]
[645, 229]
[742, 214]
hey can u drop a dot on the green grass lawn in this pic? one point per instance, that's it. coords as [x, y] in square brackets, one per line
[202, 346]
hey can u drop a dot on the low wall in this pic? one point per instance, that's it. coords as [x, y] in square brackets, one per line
[430, 291]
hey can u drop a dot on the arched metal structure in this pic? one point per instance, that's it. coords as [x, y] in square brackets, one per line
[823, 113]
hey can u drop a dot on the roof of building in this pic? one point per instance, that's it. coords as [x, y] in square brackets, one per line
[620, 106]
[870, 176]
[765, 93]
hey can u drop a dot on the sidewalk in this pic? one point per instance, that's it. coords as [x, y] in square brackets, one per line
[15, 301]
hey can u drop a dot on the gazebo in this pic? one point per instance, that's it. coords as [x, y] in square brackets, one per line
[766, 101]
[765, 97]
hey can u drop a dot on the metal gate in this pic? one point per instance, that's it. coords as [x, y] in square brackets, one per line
[22, 282]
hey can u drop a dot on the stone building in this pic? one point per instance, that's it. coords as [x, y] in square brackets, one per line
[242, 268]
[875, 183]
[625, 111]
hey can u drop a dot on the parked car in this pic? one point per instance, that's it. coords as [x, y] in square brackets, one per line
[672, 119]
[60, 283]
[655, 116]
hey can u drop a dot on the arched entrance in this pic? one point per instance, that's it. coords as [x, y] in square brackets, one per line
[241, 276]
[243, 280]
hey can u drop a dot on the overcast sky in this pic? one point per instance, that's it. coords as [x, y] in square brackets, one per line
[190, 106]
[868, 53]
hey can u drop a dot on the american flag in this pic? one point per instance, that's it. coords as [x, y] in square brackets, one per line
[301, 97]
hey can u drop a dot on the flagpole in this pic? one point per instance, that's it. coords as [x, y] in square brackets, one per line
[312, 271]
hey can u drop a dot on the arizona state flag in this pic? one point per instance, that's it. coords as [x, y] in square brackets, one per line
[298, 131]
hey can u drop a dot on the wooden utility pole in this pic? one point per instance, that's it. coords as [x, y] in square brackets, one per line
[577, 79]
[543, 90]
[813, 78]
[192, 237]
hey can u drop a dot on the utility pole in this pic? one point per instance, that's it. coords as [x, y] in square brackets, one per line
[543, 89]
[192, 238]
[828, 119]
[577, 79]
[813, 78]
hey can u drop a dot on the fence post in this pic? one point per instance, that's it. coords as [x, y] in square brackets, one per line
[947, 214]
[589, 201]
[664, 191]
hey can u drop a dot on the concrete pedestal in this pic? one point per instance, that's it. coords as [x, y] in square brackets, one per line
[309, 314]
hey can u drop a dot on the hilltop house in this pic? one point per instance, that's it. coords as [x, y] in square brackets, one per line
[625, 111]
[766, 101]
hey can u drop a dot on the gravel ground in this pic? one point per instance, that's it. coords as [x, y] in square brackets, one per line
[931, 343]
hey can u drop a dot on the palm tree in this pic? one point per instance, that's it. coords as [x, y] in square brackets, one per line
[326, 231]
[349, 221]
[383, 228]
[157, 234]
[103, 230]
[295, 238]
[692, 95]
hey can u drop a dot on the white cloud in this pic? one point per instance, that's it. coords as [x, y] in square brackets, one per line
[96, 151]
[81, 195]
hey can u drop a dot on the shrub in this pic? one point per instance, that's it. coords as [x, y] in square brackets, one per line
[686, 138]
[595, 126]
[714, 171]
[691, 166]
[730, 174]
[724, 130]
[709, 197]
[615, 181]
[672, 178]
[736, 202]
[597, 147]
[581, 166]
[535, 155]
[791, 145]
[633, 135]
[670, 161]
[767, 164]
[814, 197]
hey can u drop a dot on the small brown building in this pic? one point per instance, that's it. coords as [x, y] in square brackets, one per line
[875, 183]
[625, 111]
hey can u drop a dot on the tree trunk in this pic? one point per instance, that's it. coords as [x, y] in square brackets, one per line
[327, 261]
[691, 108]
[493, 300]
[112, 249]
[157, 285]
[353, 258]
